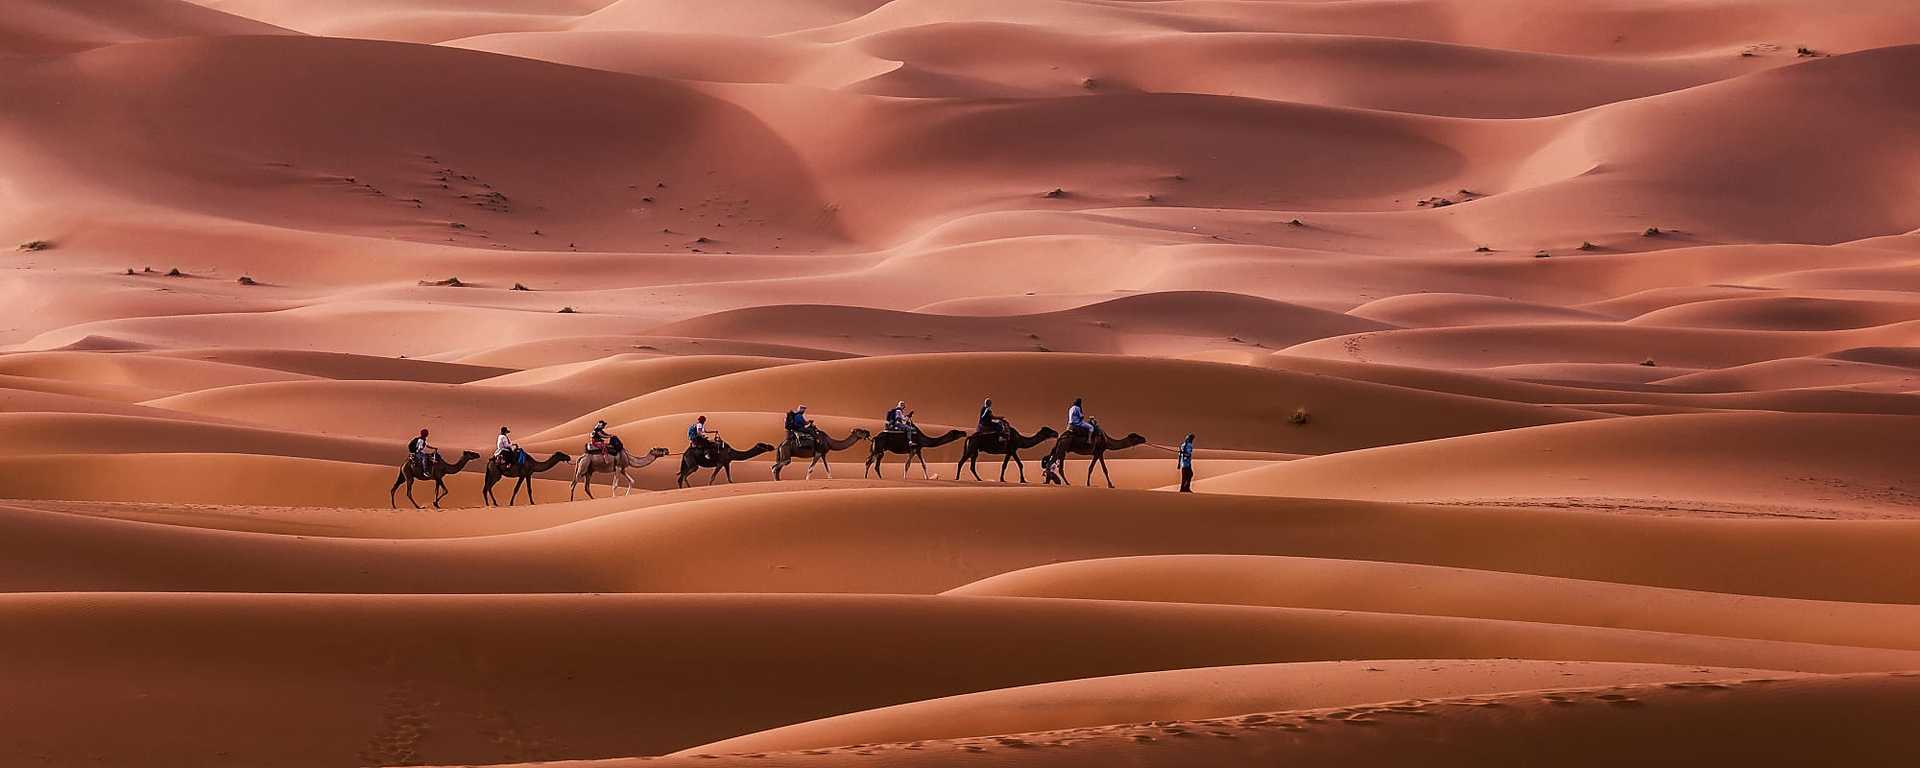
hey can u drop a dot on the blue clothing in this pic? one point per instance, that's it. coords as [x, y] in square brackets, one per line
[695, 433]
[897, 420]
[1186, 455]
[796, 421]
[1075, 419]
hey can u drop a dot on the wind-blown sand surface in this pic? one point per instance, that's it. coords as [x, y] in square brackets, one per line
[1555, 371]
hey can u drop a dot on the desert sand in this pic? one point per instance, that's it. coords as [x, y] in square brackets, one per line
[1554, 367]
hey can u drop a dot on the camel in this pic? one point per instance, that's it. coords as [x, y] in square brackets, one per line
[1096, 446]
[896, 442]
[720, 459]
[822, 445]
[616, 464]
[410, 472]
[1007, 443]
[522, 475]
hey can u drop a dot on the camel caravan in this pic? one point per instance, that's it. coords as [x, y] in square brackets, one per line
[605, 455]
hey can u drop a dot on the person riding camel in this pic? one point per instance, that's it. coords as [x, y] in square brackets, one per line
[800, 429]
[989, 423]
[699, 440]
[598, 441]
[901, 420]
[506, 453]
[1077, 422]
[423, 453]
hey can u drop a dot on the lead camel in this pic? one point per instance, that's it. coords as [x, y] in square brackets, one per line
[1095, 445]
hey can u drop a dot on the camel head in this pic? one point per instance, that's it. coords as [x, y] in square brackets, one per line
[762, 447]
[561, 456]
[468, 455]
[658, 452]
[1046, 433]
[1132, 439]
[861, 433]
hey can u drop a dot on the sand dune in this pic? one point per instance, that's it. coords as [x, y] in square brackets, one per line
[1207, 692]
[1552, 368]
[647, 674]
[1756, 722]
[1427, 590]
[1134, 324]
[831, 539]
[1787, 464]
[1233, 406]
[42, 27]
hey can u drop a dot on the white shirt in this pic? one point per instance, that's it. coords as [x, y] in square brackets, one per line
[503, 445]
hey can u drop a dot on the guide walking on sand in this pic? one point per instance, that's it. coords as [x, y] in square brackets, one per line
[1185, 462]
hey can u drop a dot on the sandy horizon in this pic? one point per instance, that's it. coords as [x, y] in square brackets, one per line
[1554, 371]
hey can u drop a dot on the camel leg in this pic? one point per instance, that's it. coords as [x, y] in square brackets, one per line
[410, 499]
[873, 464]
[1018, 464]
[1103, 471]
[393, 503]
[924, 469]
[1003, 465]
[439, 491]
[1091, 463]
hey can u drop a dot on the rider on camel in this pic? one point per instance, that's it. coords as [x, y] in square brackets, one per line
[698, 440]
[599, 440]
[423, 453]
[800, 429]
[1080, 427]
[1077, 422]
[991, 424]
[901, 420]
[505, 452]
